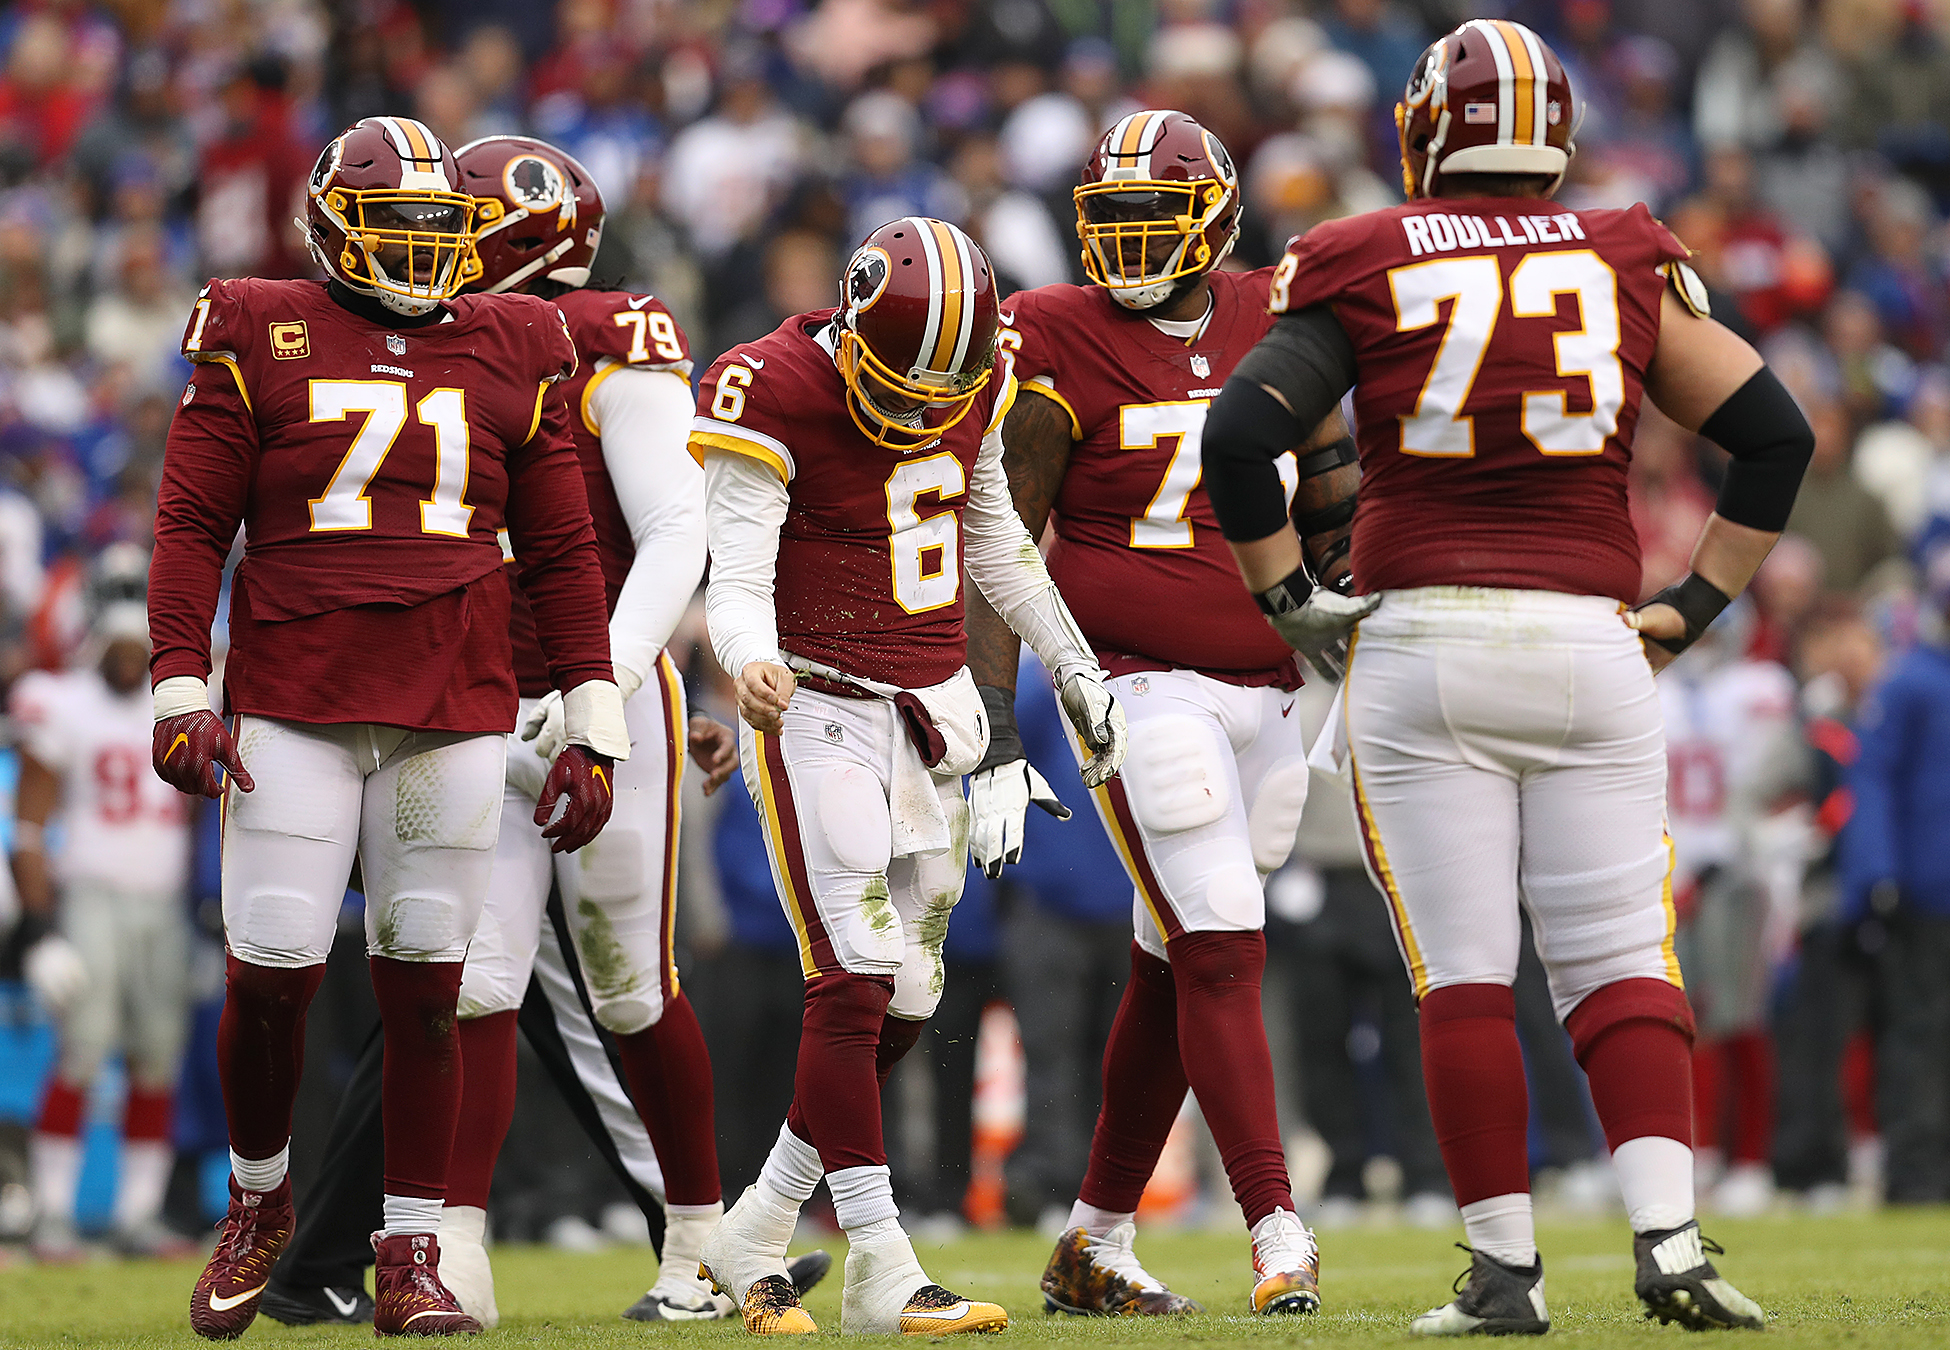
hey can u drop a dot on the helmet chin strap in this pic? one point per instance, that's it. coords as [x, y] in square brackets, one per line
[1158, 294]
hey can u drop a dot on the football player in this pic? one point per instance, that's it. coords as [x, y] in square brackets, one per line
[112, 961]
[372, 434]
[853, 470]
[1115, 380]
[1501, 723]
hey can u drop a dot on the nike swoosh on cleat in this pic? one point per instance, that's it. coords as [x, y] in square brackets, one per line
[640, 302]
[956, 1313]
[226, 1304]
[345, 1306]
[672, 1312]
[430, 1312]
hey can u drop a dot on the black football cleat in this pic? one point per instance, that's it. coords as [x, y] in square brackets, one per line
[1495, 1300]
[331, 1305]
[1677, 1283]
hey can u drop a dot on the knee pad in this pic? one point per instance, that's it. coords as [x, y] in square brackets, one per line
[611, 866]
[420, 927]
[1174, 776]
[625, 986]
[1628, 1001]
[1236, 897]
[1274, 818]
[853, 818]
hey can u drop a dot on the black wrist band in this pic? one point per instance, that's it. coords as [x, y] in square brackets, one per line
[1286, 596]
[1005, 740]
[1699, 603]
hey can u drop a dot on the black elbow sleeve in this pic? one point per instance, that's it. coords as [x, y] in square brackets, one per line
[1307, 357]
[1770, 441]
[1246, 431]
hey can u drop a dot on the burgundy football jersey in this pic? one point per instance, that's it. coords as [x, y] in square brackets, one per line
[612, 330]
[1501, 346]
[869, 577]
[372, 470]
[1132, 519]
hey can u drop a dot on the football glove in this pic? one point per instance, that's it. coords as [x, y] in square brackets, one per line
[579, 782]
[546, 727]
[1315, 620]
[54, 970]
[1003, 788]
[1099, 723]
[189, 748]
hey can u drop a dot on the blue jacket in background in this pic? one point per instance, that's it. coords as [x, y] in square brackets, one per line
[1071, 865]
[1900, 830]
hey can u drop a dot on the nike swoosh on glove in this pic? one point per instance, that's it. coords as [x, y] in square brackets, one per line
[579, 780]
[999, 799]
[1318, 628]
[1099, 723]
[187, 750]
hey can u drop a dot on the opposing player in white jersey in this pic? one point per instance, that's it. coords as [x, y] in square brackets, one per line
[100, 857]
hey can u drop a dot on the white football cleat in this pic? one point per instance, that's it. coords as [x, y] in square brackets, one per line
[464, 1266]
[888, 1293]
[1286, 1265]
[680, 1295]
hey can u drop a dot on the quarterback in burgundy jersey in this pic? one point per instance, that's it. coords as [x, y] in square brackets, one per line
[1103, 446]
[1500, 720]
[853, 476]
[372, 434]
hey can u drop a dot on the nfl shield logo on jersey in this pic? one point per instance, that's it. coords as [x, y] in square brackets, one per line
[396, 344]
[1201, 367]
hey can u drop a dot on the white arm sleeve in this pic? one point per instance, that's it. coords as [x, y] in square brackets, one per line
[1003, 560]
[744, 508]
[644, 419]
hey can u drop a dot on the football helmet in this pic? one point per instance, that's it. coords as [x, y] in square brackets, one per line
[1490, 97]
[917, 324]
[540, 214]
[385, 214]
[1159, 202]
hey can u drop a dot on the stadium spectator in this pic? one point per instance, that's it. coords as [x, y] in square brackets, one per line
[1843, 519]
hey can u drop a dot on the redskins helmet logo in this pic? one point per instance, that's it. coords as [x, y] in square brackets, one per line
[866, 278]
[1431, 71]
[327, 168]
[532, 183]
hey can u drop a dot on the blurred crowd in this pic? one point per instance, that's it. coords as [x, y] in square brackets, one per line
[1800, 147]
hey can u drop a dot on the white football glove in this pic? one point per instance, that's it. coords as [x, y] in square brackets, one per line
[547, 723]
[546, 726]
[1099, 723]
[1316, 623]
[999, 799]
[54, 970]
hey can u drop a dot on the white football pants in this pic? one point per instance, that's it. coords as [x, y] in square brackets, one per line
[1507, 749]
[136, 947]
[823, 792]
[618, 891]
[1208, 802]
[419, 809]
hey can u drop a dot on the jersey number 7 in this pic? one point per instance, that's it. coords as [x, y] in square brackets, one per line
[1439, 428]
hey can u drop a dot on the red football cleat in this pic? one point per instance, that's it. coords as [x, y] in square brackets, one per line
[249, 1239]
[408, 1298]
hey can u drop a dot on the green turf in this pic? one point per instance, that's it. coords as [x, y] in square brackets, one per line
[1855, 1280]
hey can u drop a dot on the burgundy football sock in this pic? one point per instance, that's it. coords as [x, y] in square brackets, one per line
[61, 1108]
[1751, 1055]
[1473, 1067]
[1144, 1086]
[836, 1092]
[1222, 1042]
[669, 1073]
[1709, 1068]
[146, 1114]
[487, 1106]
[1635, 1041]
[421, 1082]
[261, 1051]
[897, 1036]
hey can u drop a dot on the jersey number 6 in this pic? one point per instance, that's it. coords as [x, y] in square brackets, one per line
[1438, 427]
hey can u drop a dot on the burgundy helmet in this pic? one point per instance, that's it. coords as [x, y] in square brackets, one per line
[1159, 202]
[540, 214]
[385, 214]
[1490, 97]
[917, 326]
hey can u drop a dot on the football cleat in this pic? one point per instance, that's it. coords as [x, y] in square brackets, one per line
[1677, 1283]
[1286, 1265]
[933, 1311]
[1102, 1277]
[1496, 1300]
[771, 1307]
[252, 1233]
[332, 1305]
[696, 1303]
[465, 1269]
[408, 1297]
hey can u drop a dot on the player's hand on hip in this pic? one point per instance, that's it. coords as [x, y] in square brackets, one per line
[715, 748]
[764, 692]
[546, 726]
[579, 783]
[1654, 622]
[189, 748]
[1319, 628]
[999, 799]
[1099, 723]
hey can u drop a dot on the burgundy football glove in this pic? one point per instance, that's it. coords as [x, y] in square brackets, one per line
[581, 777]
[189, 747]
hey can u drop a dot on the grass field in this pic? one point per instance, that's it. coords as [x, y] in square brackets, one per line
[1855, 1280]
